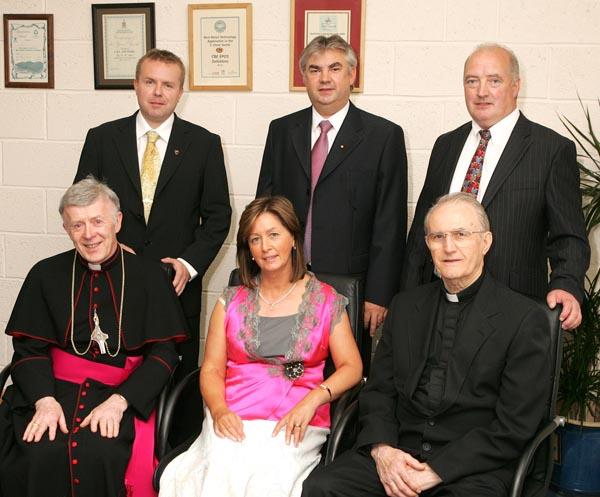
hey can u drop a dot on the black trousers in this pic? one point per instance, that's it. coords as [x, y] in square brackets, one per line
[354, 474]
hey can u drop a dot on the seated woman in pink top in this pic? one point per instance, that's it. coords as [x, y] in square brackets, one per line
[267, 404]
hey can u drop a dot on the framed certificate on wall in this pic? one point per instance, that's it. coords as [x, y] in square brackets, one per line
[28, 51]
[312, 18]
[220, 37]
[122, 33]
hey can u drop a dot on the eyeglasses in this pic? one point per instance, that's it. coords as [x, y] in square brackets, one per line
[459, 237]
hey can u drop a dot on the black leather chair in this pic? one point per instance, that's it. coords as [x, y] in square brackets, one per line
[534, 469]
[349, 286]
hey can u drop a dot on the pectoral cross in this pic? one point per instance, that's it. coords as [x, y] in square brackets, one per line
[98, 335]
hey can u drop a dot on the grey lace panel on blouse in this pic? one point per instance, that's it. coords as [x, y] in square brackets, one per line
[274, 335]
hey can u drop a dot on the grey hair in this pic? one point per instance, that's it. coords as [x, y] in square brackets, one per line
[321, 44]
[513, 62]
[460, 198]
[86, 192]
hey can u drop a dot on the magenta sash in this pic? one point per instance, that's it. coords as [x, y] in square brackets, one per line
[138, 476]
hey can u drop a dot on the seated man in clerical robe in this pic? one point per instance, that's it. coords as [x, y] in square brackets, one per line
[94, 332]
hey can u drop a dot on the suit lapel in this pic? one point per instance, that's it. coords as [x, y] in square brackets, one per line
[420, 329]
[349, 136]
[452, 155]
[518, 143]
[300, 135]
[179, 142]
[126, 145]
[473, 333]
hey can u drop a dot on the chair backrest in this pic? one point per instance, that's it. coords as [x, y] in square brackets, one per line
[538, 477]
[4, 375]
[351, 287]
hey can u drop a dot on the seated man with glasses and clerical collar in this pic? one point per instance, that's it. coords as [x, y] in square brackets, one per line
[94, 332]
[454, 392]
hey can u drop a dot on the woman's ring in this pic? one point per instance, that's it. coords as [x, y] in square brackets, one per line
[297, 426]
[34, 423]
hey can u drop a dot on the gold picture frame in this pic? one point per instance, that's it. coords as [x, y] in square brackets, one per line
[220, 38]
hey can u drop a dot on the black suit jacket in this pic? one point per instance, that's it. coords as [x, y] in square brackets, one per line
[359, 206]
[190, 214]
[534, 206]
[496, 383]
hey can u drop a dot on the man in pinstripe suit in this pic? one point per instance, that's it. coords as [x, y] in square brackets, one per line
[529, 187]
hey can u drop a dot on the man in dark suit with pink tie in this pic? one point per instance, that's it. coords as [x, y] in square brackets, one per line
[344, 170]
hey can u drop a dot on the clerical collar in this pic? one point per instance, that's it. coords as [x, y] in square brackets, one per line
[465, 294]
[106, 265]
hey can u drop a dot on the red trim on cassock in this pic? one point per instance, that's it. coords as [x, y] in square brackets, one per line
[28, 359]
[161, 361]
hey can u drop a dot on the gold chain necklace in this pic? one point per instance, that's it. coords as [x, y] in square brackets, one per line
[97, 335]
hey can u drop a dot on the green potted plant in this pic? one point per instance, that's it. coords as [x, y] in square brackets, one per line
[577, 470]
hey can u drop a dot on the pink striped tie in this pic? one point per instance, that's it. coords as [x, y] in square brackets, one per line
[317, 159]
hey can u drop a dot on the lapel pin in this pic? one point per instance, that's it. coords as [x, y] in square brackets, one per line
[176, 151]
[341, 146]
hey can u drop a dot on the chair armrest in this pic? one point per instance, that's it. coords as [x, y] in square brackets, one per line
[168, 458]
[343, 401]
[528, 453]
[344, 430]
[166, 419]
[161, 401]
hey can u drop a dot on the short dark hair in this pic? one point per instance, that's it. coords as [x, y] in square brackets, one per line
[283, 209]
[161, 56]
[323, 43]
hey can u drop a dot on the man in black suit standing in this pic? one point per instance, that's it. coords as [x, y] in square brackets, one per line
[454, 393]
[528, 184]
[344, 170]
[170, 176]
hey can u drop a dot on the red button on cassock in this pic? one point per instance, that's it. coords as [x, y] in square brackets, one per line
[75, 461]
[78, 420]
[73, 444]
[87, 385]
[83, 394]
[76, 481]
[95, 289]
[81, 406]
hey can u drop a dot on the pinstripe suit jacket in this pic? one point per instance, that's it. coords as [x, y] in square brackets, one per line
[534, 205]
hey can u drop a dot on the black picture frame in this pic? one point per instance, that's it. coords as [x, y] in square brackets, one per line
[122, 33]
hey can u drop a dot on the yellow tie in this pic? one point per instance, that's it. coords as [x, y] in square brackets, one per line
[150, 171]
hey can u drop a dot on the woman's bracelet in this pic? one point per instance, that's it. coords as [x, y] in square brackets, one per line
[322, 386]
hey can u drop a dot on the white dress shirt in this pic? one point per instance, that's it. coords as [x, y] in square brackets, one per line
[336, 121]
[164, 133]
[501, 132]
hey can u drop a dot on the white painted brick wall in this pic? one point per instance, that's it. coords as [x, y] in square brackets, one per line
[414, 52]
